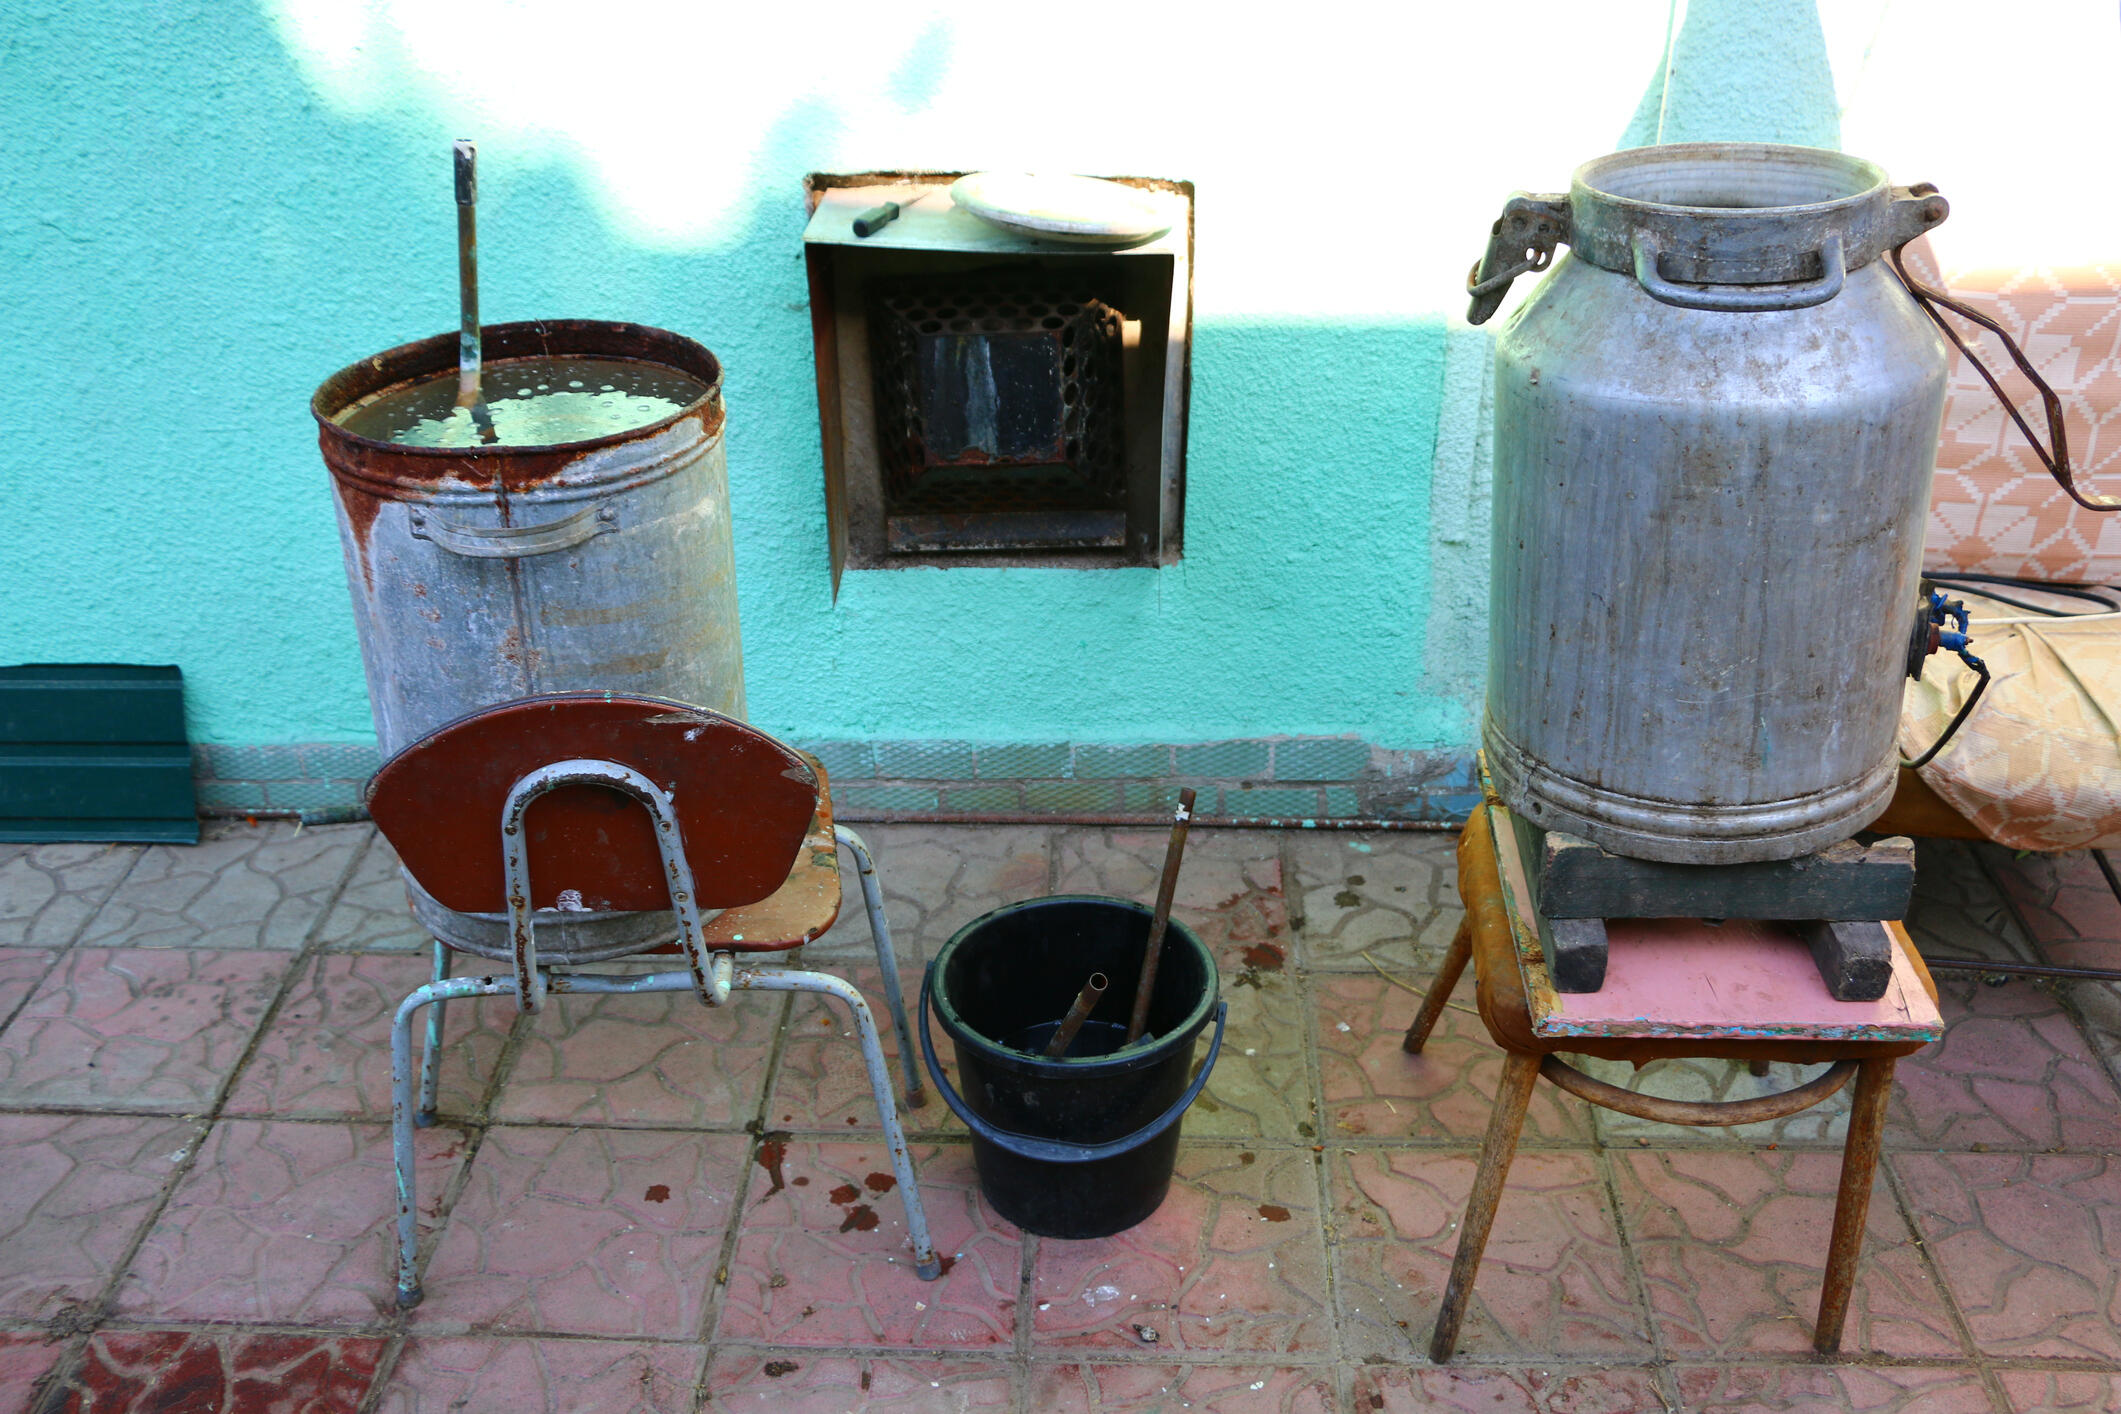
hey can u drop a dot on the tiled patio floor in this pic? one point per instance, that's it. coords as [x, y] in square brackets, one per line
[639, 1204]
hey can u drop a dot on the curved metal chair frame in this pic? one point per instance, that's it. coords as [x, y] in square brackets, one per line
[712, 975]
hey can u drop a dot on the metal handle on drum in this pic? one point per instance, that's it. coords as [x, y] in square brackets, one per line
[1741, 299]
[515, 542]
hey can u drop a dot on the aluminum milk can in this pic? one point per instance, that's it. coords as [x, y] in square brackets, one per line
[1715, 425]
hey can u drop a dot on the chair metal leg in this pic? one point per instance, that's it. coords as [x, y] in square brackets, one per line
[1439, 993]
[431, 1057]
[1859, 1166]
[401, 1115]
[887, 960]
[926, 1264]
[1520, 1071]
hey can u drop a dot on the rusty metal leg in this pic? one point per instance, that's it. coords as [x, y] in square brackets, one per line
[926, 1264]
[401, 1115]
[431, 1056]
[1439, 993]
[1859, 1166]
[887, 959]
[1756, 1068]
[1520, 1071]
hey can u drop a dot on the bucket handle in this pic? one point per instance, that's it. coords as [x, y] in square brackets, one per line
[1741, 299]
[515, 542]
[1057, 1151]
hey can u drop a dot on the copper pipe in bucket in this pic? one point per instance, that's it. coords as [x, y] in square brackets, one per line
[1086, 1002]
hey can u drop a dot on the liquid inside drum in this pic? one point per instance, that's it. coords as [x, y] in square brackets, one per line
[535, 402]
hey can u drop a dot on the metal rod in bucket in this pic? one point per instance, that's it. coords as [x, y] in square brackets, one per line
[469, 392]
[1086, 1002]
[1174, 854]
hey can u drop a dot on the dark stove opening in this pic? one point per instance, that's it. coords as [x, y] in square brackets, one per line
[999, 414]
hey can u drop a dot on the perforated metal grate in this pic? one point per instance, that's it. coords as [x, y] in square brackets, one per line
[999, 398]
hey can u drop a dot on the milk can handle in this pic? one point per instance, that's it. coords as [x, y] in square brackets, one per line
[514, 542]
[1741, 299]
[2055, 455]
[1521, 242]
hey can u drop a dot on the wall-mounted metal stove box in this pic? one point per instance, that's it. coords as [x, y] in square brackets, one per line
[987, 398]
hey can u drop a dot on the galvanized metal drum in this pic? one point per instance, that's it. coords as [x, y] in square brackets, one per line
[1715, 425]
[490, 573]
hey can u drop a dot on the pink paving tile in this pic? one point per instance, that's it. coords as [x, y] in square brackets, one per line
[243, 885]
[1805, 1389]
[1224, 1389]
[823, 1257]
[49, 891]
[1233, 1261]
[1388, 895]
[2066, 903]
[1385, 1389]
[373, 912]
[798, 1383]
[2012, 1072]
[1372, 1087]
[327, 1052]
[1956, 912]
[444, 1376]
[153, 1372]
[936, 879]
[24, 1359]
[585, 1231]
[284, 1222]
[1553, 1280]
[144, 1028]
[2079, 921]
[821, 1082]
[654, 1059]
[73, 1192]
[1230, 892]
[1261, 1088]
[2062, 1391]
[1730, 1245]
[2030, 1246]
[21, 969]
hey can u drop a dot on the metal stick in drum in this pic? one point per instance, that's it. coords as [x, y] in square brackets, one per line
[469, 392]
[1173, 855]
[1086, 1002]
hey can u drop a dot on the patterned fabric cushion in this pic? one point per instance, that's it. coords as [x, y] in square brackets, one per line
[2038, 764]
[1995, 509]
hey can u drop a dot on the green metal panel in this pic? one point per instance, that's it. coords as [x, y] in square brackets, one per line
[94, 752]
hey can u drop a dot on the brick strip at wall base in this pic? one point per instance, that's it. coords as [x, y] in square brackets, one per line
[1282, 778]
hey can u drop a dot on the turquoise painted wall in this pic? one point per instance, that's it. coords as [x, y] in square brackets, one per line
[206, 209]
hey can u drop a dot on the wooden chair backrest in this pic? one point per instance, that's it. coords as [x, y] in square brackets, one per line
[743, 802]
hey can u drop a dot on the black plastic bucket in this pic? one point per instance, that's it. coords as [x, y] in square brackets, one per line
[1084, 1146]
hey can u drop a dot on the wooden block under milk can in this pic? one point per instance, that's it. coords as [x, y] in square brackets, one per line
[1837, 898]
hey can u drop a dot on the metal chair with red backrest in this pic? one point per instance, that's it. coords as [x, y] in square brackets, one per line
[601, 802]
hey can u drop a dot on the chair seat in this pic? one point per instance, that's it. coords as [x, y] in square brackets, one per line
[1507, 1012]
[802, 908]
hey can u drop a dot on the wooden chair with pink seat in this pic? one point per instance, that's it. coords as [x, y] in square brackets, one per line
[1673, 988]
